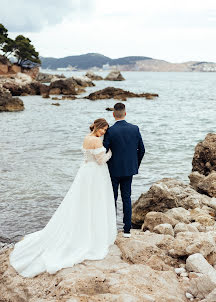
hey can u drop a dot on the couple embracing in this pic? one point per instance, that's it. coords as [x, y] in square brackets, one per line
[84, 225]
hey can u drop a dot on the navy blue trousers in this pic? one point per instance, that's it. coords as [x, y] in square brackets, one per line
[125, 188]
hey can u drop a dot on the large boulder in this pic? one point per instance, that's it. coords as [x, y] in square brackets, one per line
[8, 103]
[47, 78]
[153, 219]
[23, 84]
[64, 86]
[116, 93]
[166, 194]
[82, 81]
[73, 85]
[114, 75]
[204, 284]
[94, 77]
[204, 184]
[204, 160]
[188, 243]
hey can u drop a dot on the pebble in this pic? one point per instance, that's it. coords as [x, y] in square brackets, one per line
[189, 296]
[180, 270]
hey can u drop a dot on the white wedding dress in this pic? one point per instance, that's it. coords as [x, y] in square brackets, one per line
[82, 227]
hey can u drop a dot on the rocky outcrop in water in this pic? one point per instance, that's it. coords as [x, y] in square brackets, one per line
[68, 86]
[117, 94]
[47, 78]
[22, 84]
[94, 77]
[114, 76]
[8, 103]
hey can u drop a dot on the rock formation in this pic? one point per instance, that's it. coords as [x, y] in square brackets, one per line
[171, 258]
[23, 84]
[114, 76]
[94, 77]
[204, 160]
[117, 94]
[203, 177]
[8, 103]
[47, 78]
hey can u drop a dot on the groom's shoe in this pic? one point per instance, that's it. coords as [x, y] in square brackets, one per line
[127, 235]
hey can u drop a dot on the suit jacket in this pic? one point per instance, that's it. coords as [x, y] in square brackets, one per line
[125, 141]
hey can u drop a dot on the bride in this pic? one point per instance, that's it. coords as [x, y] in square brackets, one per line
[84, 224]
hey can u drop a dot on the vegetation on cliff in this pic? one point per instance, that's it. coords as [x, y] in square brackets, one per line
[20, 48]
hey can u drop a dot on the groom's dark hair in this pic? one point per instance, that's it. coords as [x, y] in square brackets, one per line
[119, 110]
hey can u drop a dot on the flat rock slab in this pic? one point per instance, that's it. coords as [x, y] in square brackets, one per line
[117, 93]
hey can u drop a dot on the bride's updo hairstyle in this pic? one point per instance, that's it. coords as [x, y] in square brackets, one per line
[98, 124]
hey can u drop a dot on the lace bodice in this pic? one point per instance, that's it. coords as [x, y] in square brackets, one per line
[97, 155]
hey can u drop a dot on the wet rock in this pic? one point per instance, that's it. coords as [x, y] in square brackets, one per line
[109, 109]
[114, 76]
[45, 95]
[36, 88]
[163, 195]
[204, 160]
[68, 97]
[8, 103]
[115, 93]
[94, 77]
[55, 91]
[18, 88]
[63, 86]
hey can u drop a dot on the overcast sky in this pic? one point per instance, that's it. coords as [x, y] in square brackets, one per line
[172, 30]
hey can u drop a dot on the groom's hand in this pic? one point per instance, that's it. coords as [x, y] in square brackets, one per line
[106, 141]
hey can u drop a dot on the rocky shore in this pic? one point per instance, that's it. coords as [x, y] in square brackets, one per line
[35, 83]
[171, 255]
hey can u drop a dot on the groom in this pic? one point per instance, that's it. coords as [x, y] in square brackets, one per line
[125, 142]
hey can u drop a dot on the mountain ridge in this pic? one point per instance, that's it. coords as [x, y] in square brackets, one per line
[130, 63]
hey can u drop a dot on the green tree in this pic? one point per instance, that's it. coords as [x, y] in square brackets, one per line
[25, 52]
[3, 36]
[9, 47]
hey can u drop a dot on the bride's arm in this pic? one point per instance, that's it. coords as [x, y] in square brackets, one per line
[102, 157]
[100, 154]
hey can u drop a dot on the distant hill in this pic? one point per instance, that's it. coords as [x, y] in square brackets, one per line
[88, 61]
[133, 63]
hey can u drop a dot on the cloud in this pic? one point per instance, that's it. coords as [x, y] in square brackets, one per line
[172, 30]
[32, 16]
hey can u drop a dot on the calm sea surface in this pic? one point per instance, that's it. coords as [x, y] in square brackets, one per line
[40, 147]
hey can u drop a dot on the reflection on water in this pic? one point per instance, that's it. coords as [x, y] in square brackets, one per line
[40, 147]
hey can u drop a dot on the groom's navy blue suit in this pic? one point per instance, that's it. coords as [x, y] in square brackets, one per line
[125, 142]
